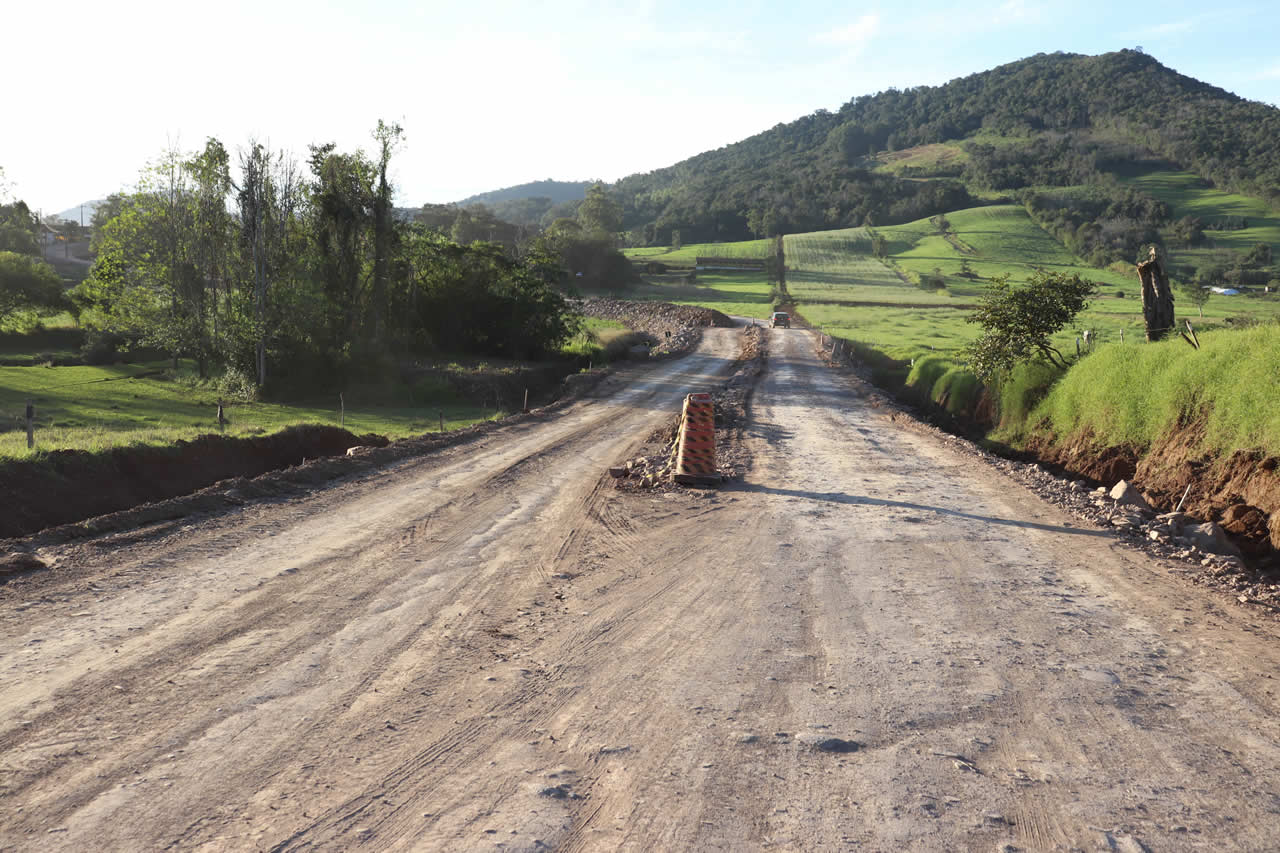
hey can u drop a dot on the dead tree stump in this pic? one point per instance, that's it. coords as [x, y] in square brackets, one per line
[1157, 297]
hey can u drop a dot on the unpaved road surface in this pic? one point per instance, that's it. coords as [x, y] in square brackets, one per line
[872, 642]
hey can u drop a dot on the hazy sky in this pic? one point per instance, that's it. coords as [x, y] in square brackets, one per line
[498, 93]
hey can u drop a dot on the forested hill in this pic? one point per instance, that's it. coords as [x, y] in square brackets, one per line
[554, 191]
[1048, 120]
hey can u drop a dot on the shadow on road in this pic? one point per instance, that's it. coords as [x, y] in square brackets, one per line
[863, 500]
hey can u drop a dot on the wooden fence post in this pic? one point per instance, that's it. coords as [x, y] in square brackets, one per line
[222, 418]
[342, 411]
[31, 425]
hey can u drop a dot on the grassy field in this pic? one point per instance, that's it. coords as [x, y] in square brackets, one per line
[828, 266]
[92, 408]
[1188, 196]
[839, 287]
[687, 254]
[923, 159]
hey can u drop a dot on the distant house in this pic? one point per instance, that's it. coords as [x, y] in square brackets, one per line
[49, 235]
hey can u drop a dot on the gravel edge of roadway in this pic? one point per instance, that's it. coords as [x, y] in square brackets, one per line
[1226, 574]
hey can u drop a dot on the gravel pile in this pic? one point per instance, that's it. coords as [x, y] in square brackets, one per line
[683, 323]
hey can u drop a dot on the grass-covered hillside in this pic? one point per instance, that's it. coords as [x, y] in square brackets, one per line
[1132, 394]
[1189, 196]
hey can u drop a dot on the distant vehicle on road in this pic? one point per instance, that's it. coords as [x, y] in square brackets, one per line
[780, 318]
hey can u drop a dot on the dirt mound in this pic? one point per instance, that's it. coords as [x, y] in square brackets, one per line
[66, 486]
[676, 327]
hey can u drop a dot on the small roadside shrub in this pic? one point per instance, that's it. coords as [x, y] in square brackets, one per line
[236, 384]
[1020, 390]
[101, 348]
[957, 391]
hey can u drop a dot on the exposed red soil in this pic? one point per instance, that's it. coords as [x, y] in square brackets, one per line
[1241, 492]
[71, 485]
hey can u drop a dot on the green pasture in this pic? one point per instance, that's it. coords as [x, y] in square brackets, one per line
[995, 240]
[93, 408]
[593, 336]
[838, 265]
[750, 249]
[826, 268]
[1187, 194]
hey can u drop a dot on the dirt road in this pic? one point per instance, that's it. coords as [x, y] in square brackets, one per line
[874, 642]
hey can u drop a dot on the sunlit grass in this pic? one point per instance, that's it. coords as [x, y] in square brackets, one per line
[1131, 394]
[98, 407]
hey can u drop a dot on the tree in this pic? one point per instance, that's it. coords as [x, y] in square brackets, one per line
[1258, 256]
[388, 137]
[342, 200]
[1017, 323]
[1192, 291]
[270, 200]
[28, 284]
[599, 213]
[19, 229]
[879, 246]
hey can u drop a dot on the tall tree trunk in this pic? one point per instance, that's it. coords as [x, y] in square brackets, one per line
[380, 250]
[1157, 298]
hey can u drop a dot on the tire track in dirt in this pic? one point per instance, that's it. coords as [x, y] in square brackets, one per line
[363, 569]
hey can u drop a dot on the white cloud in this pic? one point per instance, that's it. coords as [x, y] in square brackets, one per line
[1015, 9]
[1173, 28]
[853, 36]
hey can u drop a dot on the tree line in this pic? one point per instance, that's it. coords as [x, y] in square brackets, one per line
[295, 272]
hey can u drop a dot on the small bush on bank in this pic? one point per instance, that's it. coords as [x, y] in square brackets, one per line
[1017, 394]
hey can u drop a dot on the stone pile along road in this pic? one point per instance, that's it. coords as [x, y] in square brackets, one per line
[870, 641]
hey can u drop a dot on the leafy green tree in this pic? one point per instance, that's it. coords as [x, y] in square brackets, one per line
[272, 250]
[879, 246]
[146, 280]
[479, 299]
[1018, 322]
[342, 195]
[388, 137]
[599, 213]
[28, 284]
[1258, 256]
[19, 229]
